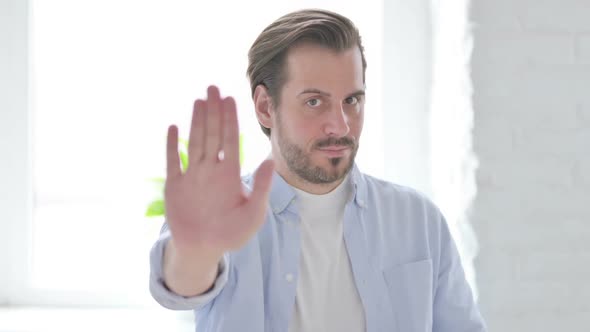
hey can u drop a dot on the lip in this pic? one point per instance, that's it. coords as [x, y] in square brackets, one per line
[334, 151]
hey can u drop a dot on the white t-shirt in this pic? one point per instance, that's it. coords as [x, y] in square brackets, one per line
[327, 298]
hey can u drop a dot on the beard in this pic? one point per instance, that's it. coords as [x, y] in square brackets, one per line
[300, 163]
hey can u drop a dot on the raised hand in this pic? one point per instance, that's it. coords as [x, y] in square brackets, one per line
[207, 209]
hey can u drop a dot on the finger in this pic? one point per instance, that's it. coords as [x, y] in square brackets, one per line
[231, 132]
[196, 142]
[172, 158]
[213, 138]
[262, 181]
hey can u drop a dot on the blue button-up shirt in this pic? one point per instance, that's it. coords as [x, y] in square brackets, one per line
[405, 266]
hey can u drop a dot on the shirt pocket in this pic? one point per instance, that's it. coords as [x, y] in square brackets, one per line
[410, 288]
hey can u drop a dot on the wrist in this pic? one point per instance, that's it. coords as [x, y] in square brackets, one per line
[193, 256]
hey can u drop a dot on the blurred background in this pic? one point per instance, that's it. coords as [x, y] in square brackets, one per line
[483, 105]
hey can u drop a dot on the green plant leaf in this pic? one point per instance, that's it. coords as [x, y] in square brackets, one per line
[159, 184]
[183, 143]
[183, 160]
[155, 209]
[183, 152]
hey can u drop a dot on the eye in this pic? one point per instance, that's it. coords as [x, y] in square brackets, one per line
[352, 100]
[314, 102]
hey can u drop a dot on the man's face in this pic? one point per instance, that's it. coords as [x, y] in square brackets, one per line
[317, 126]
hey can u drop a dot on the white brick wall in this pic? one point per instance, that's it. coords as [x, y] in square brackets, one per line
[531, 78]
[583, 49]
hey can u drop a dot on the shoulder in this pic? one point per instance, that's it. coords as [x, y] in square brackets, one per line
[386, 192]
[247, 178]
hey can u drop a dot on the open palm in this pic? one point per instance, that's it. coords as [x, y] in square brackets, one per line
[207, 206]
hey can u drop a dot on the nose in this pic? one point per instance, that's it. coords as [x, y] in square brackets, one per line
[336, 122]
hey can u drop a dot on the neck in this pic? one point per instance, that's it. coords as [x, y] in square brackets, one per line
[295, 181]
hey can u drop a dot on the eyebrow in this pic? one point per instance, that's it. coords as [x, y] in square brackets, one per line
[323, 93]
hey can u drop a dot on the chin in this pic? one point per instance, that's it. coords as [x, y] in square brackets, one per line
[336, 166]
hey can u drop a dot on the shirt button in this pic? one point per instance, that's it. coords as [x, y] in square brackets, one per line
[289, 277]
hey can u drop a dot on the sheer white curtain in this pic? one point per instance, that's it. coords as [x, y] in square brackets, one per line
[451, 122]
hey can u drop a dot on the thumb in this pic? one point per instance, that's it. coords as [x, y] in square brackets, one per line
[261, 189]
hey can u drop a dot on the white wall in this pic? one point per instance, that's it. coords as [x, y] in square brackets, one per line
[531, 77]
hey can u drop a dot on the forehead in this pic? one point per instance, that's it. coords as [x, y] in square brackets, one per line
[313, 66]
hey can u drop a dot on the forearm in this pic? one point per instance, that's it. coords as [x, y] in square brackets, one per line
[189, 274]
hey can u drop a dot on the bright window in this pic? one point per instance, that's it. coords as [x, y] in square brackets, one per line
[108, 77]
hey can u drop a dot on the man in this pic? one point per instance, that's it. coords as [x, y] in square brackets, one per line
[310, 243]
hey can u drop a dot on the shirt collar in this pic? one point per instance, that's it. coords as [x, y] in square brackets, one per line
[359, 187]
[282, 194]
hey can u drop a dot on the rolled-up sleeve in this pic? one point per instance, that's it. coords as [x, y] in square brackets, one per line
[164, 296]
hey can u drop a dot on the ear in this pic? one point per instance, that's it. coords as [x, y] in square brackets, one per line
[263, 106]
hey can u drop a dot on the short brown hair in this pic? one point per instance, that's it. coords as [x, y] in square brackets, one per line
[267, 55]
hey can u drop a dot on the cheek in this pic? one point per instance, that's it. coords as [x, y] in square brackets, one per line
[356, 124]
[306, 134]
[303, 129]
[359, 127]
[294, 131]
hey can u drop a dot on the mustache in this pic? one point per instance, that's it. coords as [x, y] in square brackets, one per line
[332, 141]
